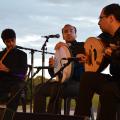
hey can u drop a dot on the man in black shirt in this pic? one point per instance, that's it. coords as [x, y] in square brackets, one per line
[13, 68]
[69, 87]
[107, 86]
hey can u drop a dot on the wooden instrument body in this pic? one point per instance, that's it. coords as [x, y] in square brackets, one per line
[94, 48]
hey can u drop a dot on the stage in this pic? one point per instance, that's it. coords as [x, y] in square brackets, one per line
[6, 114]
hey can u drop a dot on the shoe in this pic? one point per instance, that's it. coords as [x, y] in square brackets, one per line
[85, 118]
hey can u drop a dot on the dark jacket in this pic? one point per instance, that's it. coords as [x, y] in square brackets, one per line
[115, 57]
[16, 61]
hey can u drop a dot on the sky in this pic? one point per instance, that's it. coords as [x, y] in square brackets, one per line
[32, 19]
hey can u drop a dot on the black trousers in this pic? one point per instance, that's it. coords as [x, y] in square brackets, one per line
[12, 87]
[42, 91]
[68, 89]
[108, 90]
[56, 91]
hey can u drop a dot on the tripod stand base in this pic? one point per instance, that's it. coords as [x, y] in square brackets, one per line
[6, 114]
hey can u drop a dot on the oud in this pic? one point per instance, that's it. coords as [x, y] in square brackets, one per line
[94, 49]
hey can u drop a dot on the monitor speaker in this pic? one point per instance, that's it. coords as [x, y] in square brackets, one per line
[7, 114]
[33, 116]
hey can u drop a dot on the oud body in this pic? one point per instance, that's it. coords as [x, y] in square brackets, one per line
[94, 49]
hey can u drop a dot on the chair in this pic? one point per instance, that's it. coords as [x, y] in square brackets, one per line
[67, 104]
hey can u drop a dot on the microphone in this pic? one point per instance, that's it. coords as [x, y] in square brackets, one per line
[71, 59]
[45, 67]
[52, 36]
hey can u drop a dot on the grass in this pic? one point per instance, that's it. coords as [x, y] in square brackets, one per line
[94, 101]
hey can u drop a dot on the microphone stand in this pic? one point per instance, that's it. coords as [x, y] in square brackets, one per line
[31, 69]
[59, 71]
[12, 100]
[33, 50]
[43, 57]
[59, 87]
[31, 83]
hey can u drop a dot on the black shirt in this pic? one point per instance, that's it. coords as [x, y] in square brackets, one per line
[16, 61]
[115, 57]
[78, 68]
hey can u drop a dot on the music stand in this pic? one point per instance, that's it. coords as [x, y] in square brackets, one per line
[32, 51]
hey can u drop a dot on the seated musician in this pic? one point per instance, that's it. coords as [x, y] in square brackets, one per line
[69, 87]
[13, 67]
[107, 86]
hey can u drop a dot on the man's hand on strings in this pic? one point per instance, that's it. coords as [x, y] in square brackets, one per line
[82, 58]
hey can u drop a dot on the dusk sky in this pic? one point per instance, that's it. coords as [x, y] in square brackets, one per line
[32, 19]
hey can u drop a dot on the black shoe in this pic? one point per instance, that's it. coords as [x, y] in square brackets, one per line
[85, 118]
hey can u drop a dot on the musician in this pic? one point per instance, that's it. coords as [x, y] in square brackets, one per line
[68, 87]
[107, 86]
[13, 67]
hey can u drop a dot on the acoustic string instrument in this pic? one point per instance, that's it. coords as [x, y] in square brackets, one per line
[94, 49]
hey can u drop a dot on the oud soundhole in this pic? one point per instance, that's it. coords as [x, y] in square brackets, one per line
[95, 54]
[90, 57]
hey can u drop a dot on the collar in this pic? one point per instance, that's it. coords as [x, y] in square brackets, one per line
[72, 42]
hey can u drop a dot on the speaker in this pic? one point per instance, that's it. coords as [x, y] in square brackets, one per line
[7, 114]
[33, 116]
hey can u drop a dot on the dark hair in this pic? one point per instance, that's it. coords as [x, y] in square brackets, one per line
[69, 25]
[7, 34]
[112, 9]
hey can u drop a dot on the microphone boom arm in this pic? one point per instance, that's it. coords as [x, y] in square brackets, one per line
[61, 69]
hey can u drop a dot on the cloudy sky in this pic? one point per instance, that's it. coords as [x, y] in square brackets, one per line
[32, 19]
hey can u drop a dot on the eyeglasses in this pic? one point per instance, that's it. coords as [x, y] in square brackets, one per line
[101, 17]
